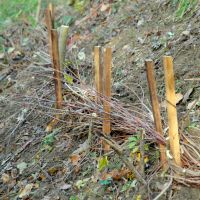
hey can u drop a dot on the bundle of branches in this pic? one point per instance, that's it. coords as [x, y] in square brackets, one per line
[124, 118]
[189, 173]
[80, 102]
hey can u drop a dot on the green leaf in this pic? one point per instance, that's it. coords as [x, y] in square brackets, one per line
[105, 182]
[131, 145]
[146, 147]
[135, 149]
[67, 20]
[82, 183]
[133, 139]
[73, 198]
[68, 79]
[128, 185]
[103, 162]
[49, 139]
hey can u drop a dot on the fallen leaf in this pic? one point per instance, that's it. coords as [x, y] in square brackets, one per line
[81, 183]
[103, 162]
[81, 56]
[191, 104]
[106, 181]
[77, 169]
[74, 159]
[54, 170]
[5, 178]
[22, 166]
[187, 95]
[1, 146]
[105, 7]
[138, 197]
[179, 97]
[68, 79]
[82, 147]
[117, 174]
[10, 50]
[65, 187]
[26, 191]
[2, 55]
[41, 177]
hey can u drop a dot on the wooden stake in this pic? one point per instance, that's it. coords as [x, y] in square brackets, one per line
[49, 18]
[57, 72]
[98, 73]
[107, 93]
[38, 11]
[156, 109]
[171, 109]
[63, 31]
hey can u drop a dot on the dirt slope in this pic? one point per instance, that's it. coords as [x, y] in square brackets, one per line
[136, 30]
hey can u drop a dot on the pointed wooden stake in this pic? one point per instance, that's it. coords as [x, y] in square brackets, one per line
[49, 18]
[54, 54]
[98, 73]
[171, 109]
[107, 93]
[156, 109]
[57, 72]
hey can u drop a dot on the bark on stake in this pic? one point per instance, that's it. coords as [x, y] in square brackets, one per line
[171, 109]
[98, 73]
[107, 94]
[155, 106]
[49, 18]
[57, 72]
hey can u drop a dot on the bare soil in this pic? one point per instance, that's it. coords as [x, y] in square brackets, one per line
[135, 31]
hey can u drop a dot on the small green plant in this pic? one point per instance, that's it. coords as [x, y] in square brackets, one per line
[73, 198]
[12, 11]
[79, 5]
[133, 142]
[184, 6]
[49, 140]
[128, 185]
[103, 162]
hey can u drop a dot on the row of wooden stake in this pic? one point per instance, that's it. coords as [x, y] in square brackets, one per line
[103, 89]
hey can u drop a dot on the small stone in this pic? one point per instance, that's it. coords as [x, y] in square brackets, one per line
[186, 33]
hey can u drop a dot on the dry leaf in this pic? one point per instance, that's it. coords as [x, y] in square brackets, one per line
[191, 104]
[105, 7]
[74, 159]
[179, 97]
[2, 55]
[22, 166]
[5, 178]
[65, 187]
[77, 169]
[54, 170]
[115, 174]
[26, 191]
[1, 148]
[41, 177]
[187, 95]
[51, 124]
[119, 174]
